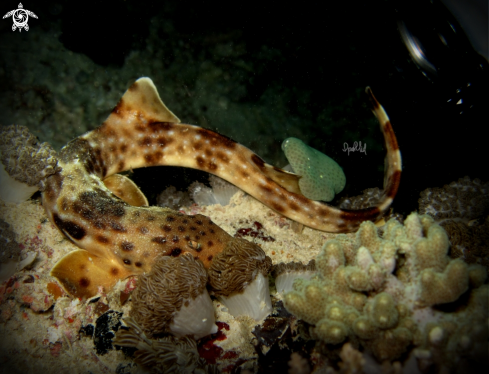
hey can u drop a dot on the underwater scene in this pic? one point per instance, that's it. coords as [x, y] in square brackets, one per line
[244, 187]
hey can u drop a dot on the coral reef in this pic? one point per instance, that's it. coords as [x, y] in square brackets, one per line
[464, 199]
[387, 293]
[173, 298]
[462, 209]
[165, 355]
[286, 273]
[469, 242]
[220, 192]
[368, 198]
[238, 276]
[321, 177]
[173, 199]
[25, 164]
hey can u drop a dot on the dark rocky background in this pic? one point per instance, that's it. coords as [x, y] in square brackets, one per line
[255, 72]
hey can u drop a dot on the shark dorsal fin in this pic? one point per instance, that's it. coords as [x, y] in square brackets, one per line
[142, 97]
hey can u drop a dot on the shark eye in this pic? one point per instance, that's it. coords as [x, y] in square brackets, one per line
[194, 245]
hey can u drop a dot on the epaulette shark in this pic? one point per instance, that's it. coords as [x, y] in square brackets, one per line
[106, 215]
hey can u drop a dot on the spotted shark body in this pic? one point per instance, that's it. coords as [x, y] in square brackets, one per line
[119, 239]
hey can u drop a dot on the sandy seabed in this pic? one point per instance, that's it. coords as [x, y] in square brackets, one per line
[44, 330]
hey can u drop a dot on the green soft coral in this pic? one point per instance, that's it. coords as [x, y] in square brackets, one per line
[321, 177]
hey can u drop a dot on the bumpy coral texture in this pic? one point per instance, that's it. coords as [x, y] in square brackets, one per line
[162, 292]
[469, 242]
[165, 355]
[236, 267]
[462, 209]
[24, 158]
[386, 293]
[465, 199]
[369, 197]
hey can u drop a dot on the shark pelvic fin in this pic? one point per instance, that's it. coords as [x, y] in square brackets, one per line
[125, 189]
[81, 273]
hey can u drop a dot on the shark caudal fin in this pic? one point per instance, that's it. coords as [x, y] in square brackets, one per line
[81, 273]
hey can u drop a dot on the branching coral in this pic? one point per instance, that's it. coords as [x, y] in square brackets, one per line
[386, 294]
[238, 276]
[173, 298]
[25, 163]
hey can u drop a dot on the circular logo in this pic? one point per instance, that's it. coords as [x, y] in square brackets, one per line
[20, 17]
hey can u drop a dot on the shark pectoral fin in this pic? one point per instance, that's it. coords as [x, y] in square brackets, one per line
[81, 273]
[143, 97]
[287, 180]
[125, 189]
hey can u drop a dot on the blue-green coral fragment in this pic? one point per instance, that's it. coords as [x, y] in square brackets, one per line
[321, 177]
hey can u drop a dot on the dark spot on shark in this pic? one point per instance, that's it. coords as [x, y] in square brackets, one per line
[102, 239]
[175, 252]
[149, 158]
[162, 141]
[159, 239]
[84, 282]
[257, 161]
[127, 246]
[117, 226]
[69, 228]
[145, 142]
[160, 126]
[215, 139]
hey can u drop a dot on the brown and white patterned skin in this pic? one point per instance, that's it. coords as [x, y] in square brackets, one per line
[142, 132]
